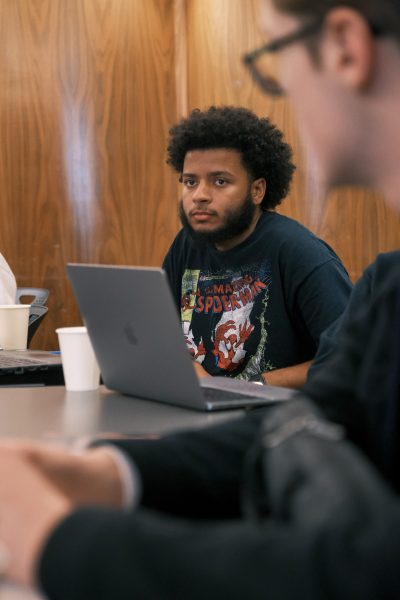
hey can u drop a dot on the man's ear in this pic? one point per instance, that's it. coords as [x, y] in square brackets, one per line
[349, 50]
[258, 189]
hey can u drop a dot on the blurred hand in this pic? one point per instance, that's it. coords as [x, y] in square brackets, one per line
[30, 507]
[88, 478]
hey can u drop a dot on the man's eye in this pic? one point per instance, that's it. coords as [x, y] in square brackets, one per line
[189, 182]
[220, 182]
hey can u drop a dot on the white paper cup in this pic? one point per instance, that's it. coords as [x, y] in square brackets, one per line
[14, 320]
[81, 371]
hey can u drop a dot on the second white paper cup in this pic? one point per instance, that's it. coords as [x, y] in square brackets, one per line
[81, 371]
[14, 320]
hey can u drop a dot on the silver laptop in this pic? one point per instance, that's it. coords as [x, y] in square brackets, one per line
[137, 337]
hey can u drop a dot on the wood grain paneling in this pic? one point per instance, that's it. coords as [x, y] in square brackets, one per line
[86, 101]
[88, 91]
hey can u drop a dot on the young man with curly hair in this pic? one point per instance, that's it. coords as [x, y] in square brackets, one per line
[255, 289]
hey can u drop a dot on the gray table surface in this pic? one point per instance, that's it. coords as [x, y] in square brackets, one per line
[53, 412]
[56, 415]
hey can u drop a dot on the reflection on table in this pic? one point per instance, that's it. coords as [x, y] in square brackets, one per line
[53, 413]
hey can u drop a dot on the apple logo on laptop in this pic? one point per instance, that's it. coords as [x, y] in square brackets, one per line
[130, 334]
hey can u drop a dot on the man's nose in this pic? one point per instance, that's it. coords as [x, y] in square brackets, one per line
[202, 193]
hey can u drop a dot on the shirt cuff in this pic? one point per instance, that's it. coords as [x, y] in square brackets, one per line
[131, 481]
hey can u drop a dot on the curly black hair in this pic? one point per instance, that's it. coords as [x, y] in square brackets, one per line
[264, 153]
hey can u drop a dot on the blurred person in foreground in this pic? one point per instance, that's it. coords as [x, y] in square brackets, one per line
[277, 504]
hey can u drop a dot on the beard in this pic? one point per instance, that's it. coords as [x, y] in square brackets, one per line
[235, 223]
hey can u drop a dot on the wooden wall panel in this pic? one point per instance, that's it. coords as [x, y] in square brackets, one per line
[86, 101]
[355, 222]
[88, 91]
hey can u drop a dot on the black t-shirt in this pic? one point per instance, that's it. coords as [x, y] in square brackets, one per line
[261, 305]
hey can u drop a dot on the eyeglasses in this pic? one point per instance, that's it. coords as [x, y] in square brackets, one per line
[267, 82]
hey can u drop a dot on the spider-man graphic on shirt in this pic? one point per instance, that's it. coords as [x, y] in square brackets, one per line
[223, 319]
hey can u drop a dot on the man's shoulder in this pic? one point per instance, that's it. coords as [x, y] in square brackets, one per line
[387, 265]
[286, 227]
[387, 274]
[383, 273]
[291, 237]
